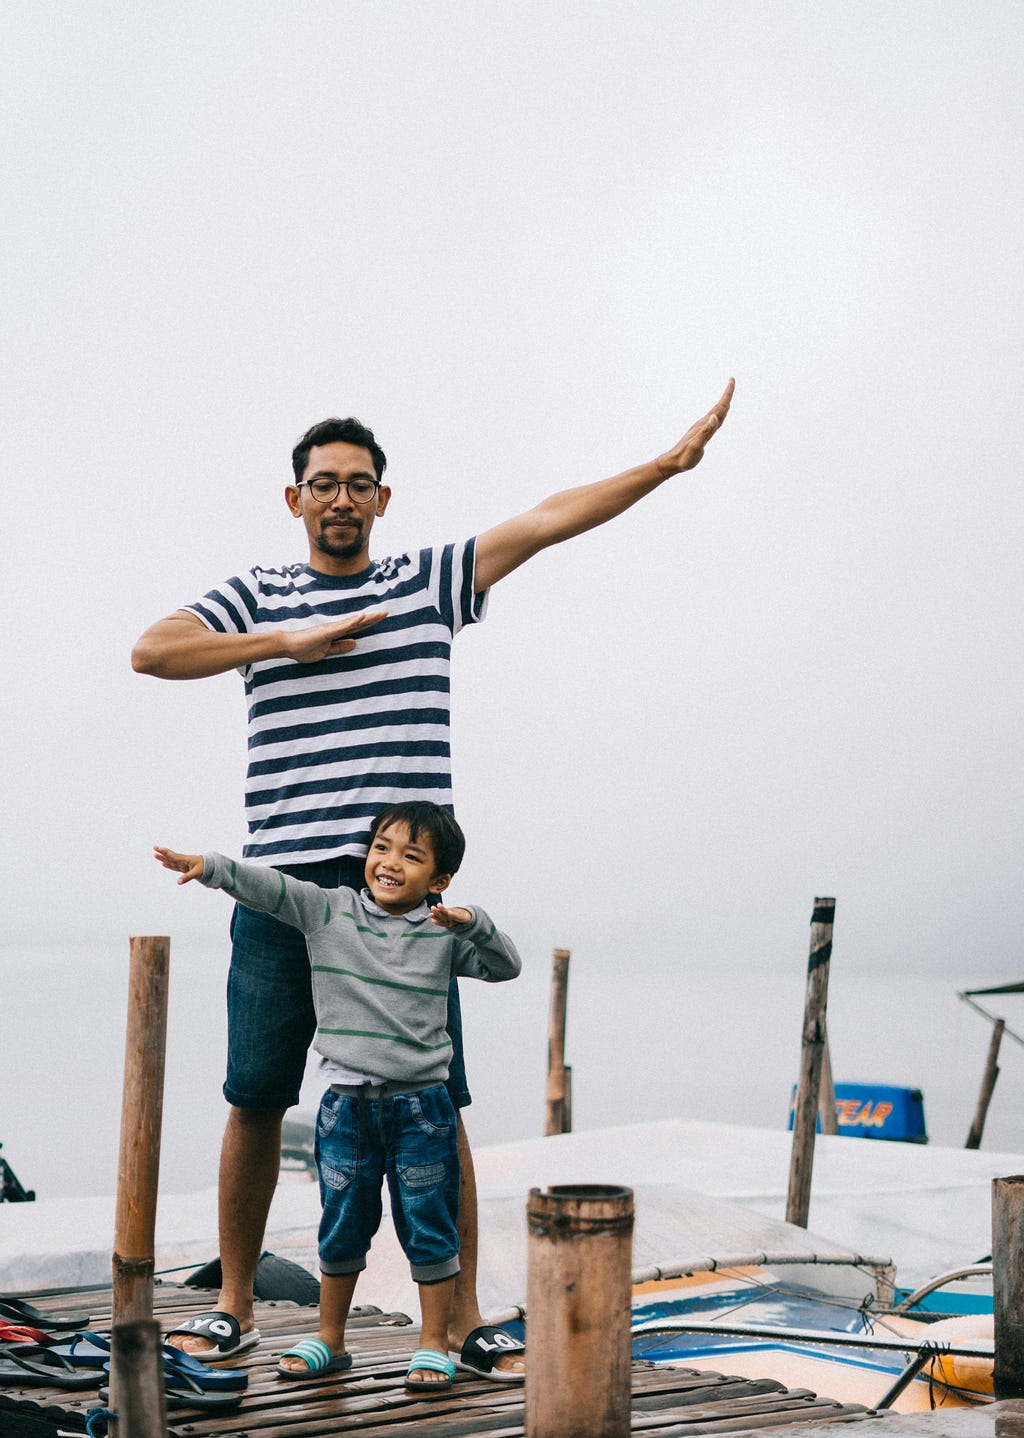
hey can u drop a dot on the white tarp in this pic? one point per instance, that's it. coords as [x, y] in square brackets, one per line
[928, 1208]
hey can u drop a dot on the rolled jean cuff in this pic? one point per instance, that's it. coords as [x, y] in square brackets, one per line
[341, 1266]
[435, 1272]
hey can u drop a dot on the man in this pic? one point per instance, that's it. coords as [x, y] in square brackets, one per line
[340, 727]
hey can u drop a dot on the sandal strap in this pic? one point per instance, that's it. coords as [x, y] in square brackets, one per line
[313, 1351]
[430, 1360]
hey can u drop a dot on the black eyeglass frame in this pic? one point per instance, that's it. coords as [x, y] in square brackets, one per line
[337, 483]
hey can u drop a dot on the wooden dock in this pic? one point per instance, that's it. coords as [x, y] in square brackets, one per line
[370, 1399]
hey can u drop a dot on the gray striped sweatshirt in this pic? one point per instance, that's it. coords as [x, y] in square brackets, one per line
[380, 981]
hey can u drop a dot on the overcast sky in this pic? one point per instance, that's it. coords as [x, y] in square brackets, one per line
[529, 244]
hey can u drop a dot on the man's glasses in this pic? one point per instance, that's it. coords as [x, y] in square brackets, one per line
[361, 490]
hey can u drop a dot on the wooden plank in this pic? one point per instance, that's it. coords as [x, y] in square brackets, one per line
[370, 1400]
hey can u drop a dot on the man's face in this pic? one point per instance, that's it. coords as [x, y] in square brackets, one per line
[338, 530]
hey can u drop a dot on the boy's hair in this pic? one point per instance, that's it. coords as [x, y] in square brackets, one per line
[446, 838]
[331, 431]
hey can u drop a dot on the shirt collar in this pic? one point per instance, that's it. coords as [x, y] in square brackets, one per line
[414, 916]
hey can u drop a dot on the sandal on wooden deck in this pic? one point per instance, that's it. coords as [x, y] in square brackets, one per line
[433, 1362]
[317, 1357]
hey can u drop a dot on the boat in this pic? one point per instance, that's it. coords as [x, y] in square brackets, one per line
[907, 1353]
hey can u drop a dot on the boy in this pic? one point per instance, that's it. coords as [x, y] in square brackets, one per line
[381, 964]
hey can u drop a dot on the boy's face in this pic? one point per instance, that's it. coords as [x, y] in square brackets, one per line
[400, 872]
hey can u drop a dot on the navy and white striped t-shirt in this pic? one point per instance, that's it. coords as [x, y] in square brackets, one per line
[332, 744]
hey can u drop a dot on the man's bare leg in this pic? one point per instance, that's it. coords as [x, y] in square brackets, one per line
[250, 1159]
[465, 1312]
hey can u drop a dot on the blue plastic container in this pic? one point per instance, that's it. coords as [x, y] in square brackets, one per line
[866, 1110]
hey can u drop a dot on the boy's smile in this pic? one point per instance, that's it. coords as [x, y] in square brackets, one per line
[400, 871]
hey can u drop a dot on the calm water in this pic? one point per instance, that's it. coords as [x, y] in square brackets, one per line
[722, 1048]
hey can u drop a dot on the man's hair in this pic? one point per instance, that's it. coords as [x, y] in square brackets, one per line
[446, 838]
[331, 431]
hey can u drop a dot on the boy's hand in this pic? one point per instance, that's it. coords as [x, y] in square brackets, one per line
[189, 866]
[448, 918]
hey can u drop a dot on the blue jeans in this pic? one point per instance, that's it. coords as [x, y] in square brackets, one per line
[271, 1021]
[407, 1138]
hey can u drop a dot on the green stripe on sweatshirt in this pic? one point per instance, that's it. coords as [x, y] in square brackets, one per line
[381, 983]
[385, 1038]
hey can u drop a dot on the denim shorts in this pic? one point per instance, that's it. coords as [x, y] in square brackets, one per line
[408, 1139]
[271, 1021]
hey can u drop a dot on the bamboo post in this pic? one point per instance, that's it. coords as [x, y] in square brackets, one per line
[827, 1095]
[141, 1405]
[798, 1198]
[988, 1084]
[557, 1118]
[578, 1289]
[139, 1167]
[1008, 1285]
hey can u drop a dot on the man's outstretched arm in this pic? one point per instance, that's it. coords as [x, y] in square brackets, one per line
[181, 646]
[574, 511]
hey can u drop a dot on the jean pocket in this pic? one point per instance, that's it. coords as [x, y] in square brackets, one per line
[422, 1175]
[335, 1178]
[425, 1123]
[327, 1117]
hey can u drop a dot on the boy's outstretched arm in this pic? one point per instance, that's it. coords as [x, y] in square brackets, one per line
[189, 866]
[481, 950]
[574, 511]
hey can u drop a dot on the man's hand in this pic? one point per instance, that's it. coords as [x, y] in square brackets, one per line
[448, 918]
[189, 866]
[690, 449]
[324, 641]
[181, 646]
[573, 511]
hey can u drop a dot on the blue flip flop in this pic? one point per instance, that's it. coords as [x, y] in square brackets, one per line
[186, 1394]
[433, 1362]
[85, 1350]
[318, 1358]
[185, 1368]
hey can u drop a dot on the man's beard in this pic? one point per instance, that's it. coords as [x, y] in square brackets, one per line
[328, 542]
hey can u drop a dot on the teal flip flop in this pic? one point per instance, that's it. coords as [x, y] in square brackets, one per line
[433, 1362]
[318, 1358]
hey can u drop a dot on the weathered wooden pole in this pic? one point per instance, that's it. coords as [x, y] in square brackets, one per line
[827, 1093]
[558, 1108]
[988, 1084]
[141, 1407]
[138, 1172]
[805, 1114]
[1008, 1285]
[578, 1288]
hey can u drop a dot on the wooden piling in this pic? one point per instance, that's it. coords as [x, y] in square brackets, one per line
[805, 1114]
[1008, 1285]
[827, 1093]
[578, 1290]
[558, 1116]
[141, 1406]
[138, 1172]
[988, 1083]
